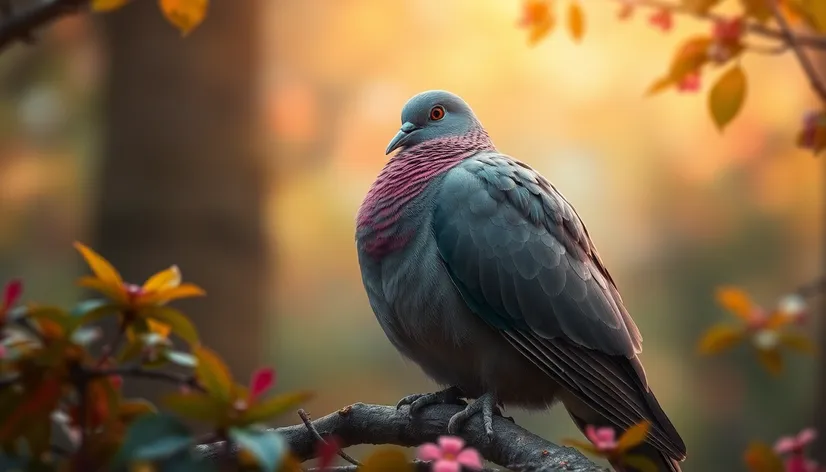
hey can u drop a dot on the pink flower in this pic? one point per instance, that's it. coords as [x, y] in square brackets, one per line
[795, 444]
[728, 31]
[690, 83]
[605, 439]
[450, 455]
[261, 381]
[10, 294]
[662, 20]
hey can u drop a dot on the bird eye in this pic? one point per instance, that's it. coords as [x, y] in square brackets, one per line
[437, 113]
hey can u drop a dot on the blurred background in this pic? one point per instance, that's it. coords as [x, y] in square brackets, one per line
[242, 153]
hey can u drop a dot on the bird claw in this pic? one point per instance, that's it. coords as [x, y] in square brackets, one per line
[417, 401]
[486, 404]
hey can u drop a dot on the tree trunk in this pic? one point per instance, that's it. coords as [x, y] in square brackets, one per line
[182, 176]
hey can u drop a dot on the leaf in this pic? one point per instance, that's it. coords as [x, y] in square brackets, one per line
[183, 359]
[736, 301]
[196, 406]
[44, 397]
[134, 408]
[759, 457]
[582, 446]
[177, 322]
[727, 96]
[720, 338]
[260, 381]
[633, 436]
[757, 9]
[797, 342]
[576, 21]
[102, 269]
[816, 10]
[185, 15]
[154, 437]
[53, 320]
[640, 463]
[213, 374]
[386, 459]
[164, 279]
[538, 18]
[268, 447]
[91, 311]
[690, 57]
[771, 360]
[700, 6]
[107, 5]
[272, 407]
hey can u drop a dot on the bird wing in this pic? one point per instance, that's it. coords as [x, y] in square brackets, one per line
[523, 261]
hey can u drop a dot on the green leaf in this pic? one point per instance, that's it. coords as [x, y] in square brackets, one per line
[640, 463]
[130, 351]
[267, 446]
[50, 313]
[154, 437]
[196, 405]
[727, 96]
[94, 309]
[183, 359]
[213, 374]
[273, 406]
[177, 321]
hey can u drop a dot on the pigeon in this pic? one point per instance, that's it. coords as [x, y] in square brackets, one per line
[482, 273]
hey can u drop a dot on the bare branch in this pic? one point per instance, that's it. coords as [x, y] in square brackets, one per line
[512, 446]
[805, 40]
[309, 424]
[20, 26]
[794, 42]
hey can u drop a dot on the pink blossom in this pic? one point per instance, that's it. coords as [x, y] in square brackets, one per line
[690, 83]
[605, 439]
[450, 455]
[662, 19]
[261, 381]
[795, 444]
[798, 463]
[11, 293]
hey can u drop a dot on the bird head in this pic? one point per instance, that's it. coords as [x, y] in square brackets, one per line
[431, 115]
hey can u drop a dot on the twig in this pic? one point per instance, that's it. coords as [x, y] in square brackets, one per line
[309, 424]
[379, 424]
[794, 42]
[20, 26]
[813, 41]
[138, 371]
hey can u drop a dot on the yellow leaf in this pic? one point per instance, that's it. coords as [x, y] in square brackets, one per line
[161, 329]
[757, 9]
[538, 18]
[386, 459]
[582, 446]
[185, 15]
[107, 5]
[576, 21]
[797, 342]
[100, 266]
[727, 96]
[736, 301]
[164, 296]
[213, 374]
[816, 10]
[633, 436]
[164, 279]
[771, 360]
[640, 463]
[760, 457]
[690, 57]
[700, 6]
[289, 464]
[720, 338]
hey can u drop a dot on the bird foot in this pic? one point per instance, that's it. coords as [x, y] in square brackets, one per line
[448, 396]
[486, 404]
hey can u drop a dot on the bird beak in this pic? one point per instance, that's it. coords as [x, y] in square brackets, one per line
[401, 137]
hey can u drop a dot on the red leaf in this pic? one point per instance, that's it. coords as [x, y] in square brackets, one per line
[663, 20]
[12, 293]
[261, 381]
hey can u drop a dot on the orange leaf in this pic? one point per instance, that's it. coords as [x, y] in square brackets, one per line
[386, 459]
[538, 18]
[690, 57]
[727, 96]
[720, 338]
[633, 436]
[771, 360]
[576, 21]
[100, 266]
[582, 446]
[760, 457]
[185, 15]
[164, 279]
[107, 5]
[736, 301]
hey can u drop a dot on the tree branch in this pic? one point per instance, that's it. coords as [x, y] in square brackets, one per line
[19, 26]
[812, 41]
[794, 41]
[511, 446]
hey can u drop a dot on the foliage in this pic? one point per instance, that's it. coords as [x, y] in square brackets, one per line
[605, 444]
[185, 15]
[722, 48]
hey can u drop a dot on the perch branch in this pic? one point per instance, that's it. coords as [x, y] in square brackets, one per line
[511, 445]
[19, 26]
[794, 42]
[805, 40]
[309, 424]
